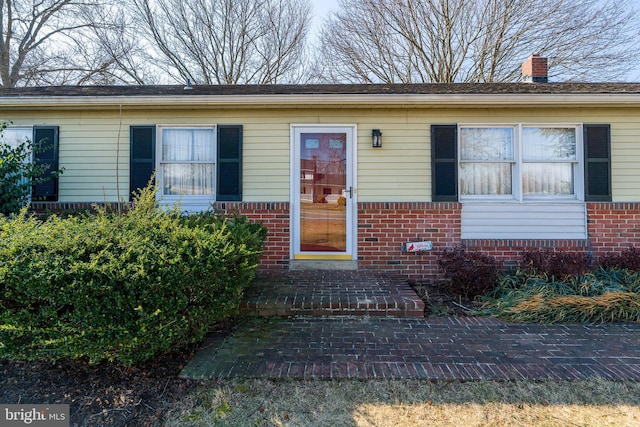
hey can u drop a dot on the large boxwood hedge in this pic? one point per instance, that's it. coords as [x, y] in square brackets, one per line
[119, 287]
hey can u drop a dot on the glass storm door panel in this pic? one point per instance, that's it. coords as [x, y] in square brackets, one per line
[324, 193]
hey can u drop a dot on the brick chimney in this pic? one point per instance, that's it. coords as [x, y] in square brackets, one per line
[534, 69]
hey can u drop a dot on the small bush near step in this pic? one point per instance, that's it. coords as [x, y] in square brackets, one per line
[119, 288]
[469, 273]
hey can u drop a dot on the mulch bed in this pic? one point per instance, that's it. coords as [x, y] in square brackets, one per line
[439, 301]
[102, 394]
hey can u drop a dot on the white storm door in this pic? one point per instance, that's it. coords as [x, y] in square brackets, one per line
[323, 201]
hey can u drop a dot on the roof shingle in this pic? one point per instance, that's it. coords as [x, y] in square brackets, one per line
[327, 89]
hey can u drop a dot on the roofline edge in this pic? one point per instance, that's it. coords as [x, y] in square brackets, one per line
[322, 100]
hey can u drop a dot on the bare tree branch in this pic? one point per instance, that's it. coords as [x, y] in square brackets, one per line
[226, 41]
[411, 41]
[265, 41]
[38, 33]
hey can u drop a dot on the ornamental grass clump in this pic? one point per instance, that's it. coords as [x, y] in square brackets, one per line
[605, 295]
[120, 288]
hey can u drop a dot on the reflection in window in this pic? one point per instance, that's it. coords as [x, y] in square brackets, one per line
[14, 136]
[548, 155]
[486, 143]
[531, 161]
[487, 157]
[188, 162]
[548, 144]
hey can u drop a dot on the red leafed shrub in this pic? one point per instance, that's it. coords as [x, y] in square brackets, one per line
[627, 260]
[470, 273]
[560, 264]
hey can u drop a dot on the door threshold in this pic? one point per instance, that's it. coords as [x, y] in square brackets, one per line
[297, 264]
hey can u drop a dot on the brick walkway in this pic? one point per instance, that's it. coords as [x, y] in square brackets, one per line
[422, 348]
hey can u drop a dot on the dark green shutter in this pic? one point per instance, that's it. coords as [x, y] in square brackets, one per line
[45, 142]
[597, 164]
[229, 178]
[142, 160]
[444, 163]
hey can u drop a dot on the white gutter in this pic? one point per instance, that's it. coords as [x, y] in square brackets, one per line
[369, 100]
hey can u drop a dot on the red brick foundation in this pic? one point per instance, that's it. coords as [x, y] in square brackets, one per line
[613, 227]
[384, 229]
[274, 216]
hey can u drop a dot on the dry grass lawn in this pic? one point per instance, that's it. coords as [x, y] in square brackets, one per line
[410, 403]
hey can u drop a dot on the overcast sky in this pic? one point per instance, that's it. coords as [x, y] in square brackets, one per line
[322, 7]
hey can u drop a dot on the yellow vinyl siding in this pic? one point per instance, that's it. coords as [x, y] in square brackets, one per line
[399, 171]
[625, 156]
[265, 158]
[399, 168]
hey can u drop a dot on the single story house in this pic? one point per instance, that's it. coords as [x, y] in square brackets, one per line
[366, 176]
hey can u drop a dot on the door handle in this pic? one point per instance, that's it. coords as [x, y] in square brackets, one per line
[351, 192]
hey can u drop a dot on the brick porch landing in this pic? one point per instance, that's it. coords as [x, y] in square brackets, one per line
[323, 293]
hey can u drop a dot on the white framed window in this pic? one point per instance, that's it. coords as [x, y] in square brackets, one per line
[186, 164]
[13, 136]
[16, 135]
[487, 161]
[520, 162]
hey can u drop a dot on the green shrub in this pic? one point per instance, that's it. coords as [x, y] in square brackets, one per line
[470, 274]
[121, 288]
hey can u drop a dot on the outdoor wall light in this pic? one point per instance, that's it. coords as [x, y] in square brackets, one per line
[376, 138]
